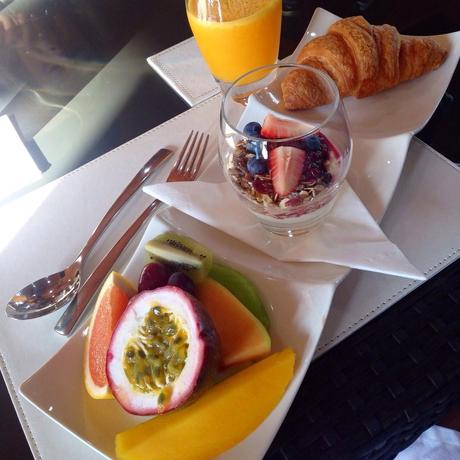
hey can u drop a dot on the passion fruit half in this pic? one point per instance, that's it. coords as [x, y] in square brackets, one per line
[163, 351]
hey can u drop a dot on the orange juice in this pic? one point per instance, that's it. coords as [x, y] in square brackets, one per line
[236, 36]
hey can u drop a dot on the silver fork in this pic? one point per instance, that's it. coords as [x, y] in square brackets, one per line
[185, 168]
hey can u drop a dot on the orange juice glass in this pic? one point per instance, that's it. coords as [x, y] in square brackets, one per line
[235, 36]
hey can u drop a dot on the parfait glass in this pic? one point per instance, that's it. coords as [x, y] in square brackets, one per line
[235, 36]
[287, 166]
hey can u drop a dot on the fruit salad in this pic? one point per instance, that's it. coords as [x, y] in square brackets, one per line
[192, 323]
[285, 177]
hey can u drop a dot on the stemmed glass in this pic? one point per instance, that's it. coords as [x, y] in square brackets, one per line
[235, 36]
[287, 166]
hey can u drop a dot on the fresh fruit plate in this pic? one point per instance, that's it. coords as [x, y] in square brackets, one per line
[295, 312]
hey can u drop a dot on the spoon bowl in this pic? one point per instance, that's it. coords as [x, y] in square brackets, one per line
[54, 291]
[46, 294]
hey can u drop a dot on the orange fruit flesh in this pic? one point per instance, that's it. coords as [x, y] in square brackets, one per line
[242, 336]
[223, 416]
[112, 305]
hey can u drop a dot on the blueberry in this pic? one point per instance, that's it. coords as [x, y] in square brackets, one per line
[257, 166]
[312, 143]
[252, 129]
[255, 148]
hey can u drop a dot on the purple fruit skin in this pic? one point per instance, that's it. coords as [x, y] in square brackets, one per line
[210, 358]
[181, 280]
[153, 275]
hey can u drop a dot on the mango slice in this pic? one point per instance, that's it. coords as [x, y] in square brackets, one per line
[225, 415]
[242, 336]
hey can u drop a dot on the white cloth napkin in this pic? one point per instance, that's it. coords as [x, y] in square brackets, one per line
[349, 236]
[436, 443]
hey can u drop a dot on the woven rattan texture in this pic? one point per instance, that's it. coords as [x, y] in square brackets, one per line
[374, 393]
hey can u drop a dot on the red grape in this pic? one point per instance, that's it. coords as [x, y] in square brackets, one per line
[181, 280]
[153, 275]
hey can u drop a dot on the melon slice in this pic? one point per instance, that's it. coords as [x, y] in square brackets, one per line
[225, 415]
[243, 337]
[242, 288]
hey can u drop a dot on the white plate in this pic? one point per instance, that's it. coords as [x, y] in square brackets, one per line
[297, 311]
[299, 297]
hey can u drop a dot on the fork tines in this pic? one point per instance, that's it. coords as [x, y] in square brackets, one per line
[188, 155]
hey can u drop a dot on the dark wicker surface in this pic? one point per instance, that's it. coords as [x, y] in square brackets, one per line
[374, 393]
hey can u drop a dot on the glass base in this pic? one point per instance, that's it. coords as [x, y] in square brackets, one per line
[243, 89]
[296, 226]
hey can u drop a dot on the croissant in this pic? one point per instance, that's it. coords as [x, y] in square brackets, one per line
[362, 59]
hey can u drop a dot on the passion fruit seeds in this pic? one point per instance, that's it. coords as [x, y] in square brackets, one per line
[162, 351]
[154, 359]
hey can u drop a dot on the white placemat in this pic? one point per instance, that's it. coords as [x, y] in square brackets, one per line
[40, 223]
[183, 68]
[423, 224]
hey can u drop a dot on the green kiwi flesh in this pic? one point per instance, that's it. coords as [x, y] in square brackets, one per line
[181, 253]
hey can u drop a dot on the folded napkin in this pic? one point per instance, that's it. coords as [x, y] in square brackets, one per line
[436, 443]
[349, 236]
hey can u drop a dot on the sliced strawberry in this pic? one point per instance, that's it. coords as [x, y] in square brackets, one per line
[285, 165]
[276, 128]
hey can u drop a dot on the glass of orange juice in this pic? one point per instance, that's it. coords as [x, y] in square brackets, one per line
[235, 36]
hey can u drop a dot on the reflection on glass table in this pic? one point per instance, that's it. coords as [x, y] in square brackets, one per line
[73, 77]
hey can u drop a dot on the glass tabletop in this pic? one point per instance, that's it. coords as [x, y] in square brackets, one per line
[74, 80]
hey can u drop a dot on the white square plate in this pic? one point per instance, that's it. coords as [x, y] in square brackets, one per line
[297, 311]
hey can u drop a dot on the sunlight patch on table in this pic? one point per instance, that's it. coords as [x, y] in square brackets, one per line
[18, 169]
[18, 212]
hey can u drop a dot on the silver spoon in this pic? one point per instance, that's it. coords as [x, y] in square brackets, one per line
[54, 291]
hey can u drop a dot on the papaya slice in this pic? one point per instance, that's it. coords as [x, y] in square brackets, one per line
[110, 304]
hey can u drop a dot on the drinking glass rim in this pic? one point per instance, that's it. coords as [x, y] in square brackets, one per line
[322, 74]
[220, 21]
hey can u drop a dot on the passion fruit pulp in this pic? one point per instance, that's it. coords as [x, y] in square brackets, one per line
[163, 351]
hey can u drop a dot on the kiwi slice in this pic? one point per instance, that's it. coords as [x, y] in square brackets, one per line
[181, 253]
[242, 289]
